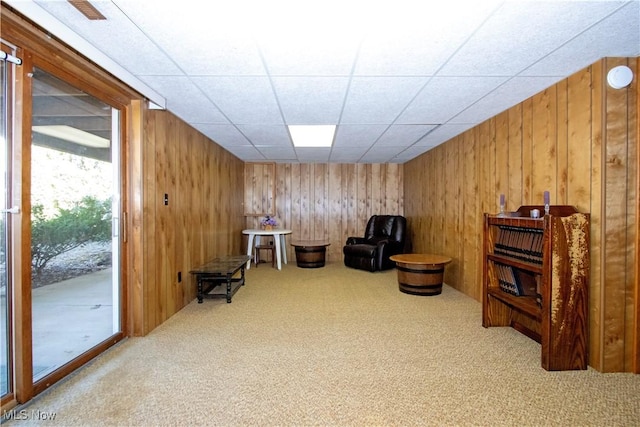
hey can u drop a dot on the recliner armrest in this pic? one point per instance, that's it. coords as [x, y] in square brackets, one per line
[355, 240]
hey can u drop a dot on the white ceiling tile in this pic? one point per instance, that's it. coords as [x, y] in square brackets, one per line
[112, 35]
[199, 42]
[278, 153]
[311, 100]
[504, 97]
[404, 53]
[407, 41]
[243, 99]
[293, 60]
[303, 53]
[379, 100]
[313, 155]
[238, 73]
[381, 154]
[185, 99]
[224, 135]
[403, 135]
[616, 36]
[247, 154]
[307, 38]
[523, 32]
[442, 134]
[444, 97]
[217, 56]
[348, 136]
[267, 135]
[410, 153]
[347, 154]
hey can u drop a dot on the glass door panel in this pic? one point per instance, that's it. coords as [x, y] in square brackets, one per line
[74, 231]
[5, 288]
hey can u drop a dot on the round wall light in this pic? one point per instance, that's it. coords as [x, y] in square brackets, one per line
[620, 77]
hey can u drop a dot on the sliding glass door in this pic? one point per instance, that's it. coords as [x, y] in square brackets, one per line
[74, 223]
[61, 249]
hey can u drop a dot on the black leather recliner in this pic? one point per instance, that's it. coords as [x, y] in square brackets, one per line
[383, 237]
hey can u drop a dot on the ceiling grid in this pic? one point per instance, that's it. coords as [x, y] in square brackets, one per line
[397, 81]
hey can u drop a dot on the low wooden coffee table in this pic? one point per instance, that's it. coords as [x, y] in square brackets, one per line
[220, 271]
[420, 274]
[310, 253]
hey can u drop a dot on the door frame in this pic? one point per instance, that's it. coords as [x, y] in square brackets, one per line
[636, 338]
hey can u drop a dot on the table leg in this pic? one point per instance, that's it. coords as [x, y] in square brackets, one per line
[283, 245]
[249, 249]
[199, 290]
[229, 276]
[278, 250]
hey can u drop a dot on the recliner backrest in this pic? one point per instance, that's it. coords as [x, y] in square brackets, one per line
[386, 226]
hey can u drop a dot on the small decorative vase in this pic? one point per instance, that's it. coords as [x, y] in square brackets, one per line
[268, 227]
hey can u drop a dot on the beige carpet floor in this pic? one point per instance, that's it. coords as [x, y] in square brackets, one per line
[334, 347]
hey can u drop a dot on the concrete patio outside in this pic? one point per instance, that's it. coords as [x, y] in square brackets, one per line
[69, 317]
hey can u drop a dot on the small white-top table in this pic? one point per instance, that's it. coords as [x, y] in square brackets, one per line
[278, 238]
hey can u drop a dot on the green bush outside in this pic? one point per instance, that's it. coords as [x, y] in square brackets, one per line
[88, 220]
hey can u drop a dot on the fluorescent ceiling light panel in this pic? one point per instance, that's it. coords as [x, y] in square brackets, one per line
[312, 135]
[72, 134]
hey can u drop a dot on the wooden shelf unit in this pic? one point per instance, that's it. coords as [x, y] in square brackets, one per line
[536, 279]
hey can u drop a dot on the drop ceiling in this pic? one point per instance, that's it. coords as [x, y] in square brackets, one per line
[397, 78]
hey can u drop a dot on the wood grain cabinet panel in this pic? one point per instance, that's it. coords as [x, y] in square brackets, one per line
[536, 280]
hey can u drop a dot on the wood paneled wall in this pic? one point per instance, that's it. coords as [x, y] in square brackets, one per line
[330, 201]
[202, 217]
[260, 189]
[578, 140]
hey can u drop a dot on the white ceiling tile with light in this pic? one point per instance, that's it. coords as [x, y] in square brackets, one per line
[383, 81]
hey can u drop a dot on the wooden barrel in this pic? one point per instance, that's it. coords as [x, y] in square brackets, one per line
[310, 256]
[419, 279]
